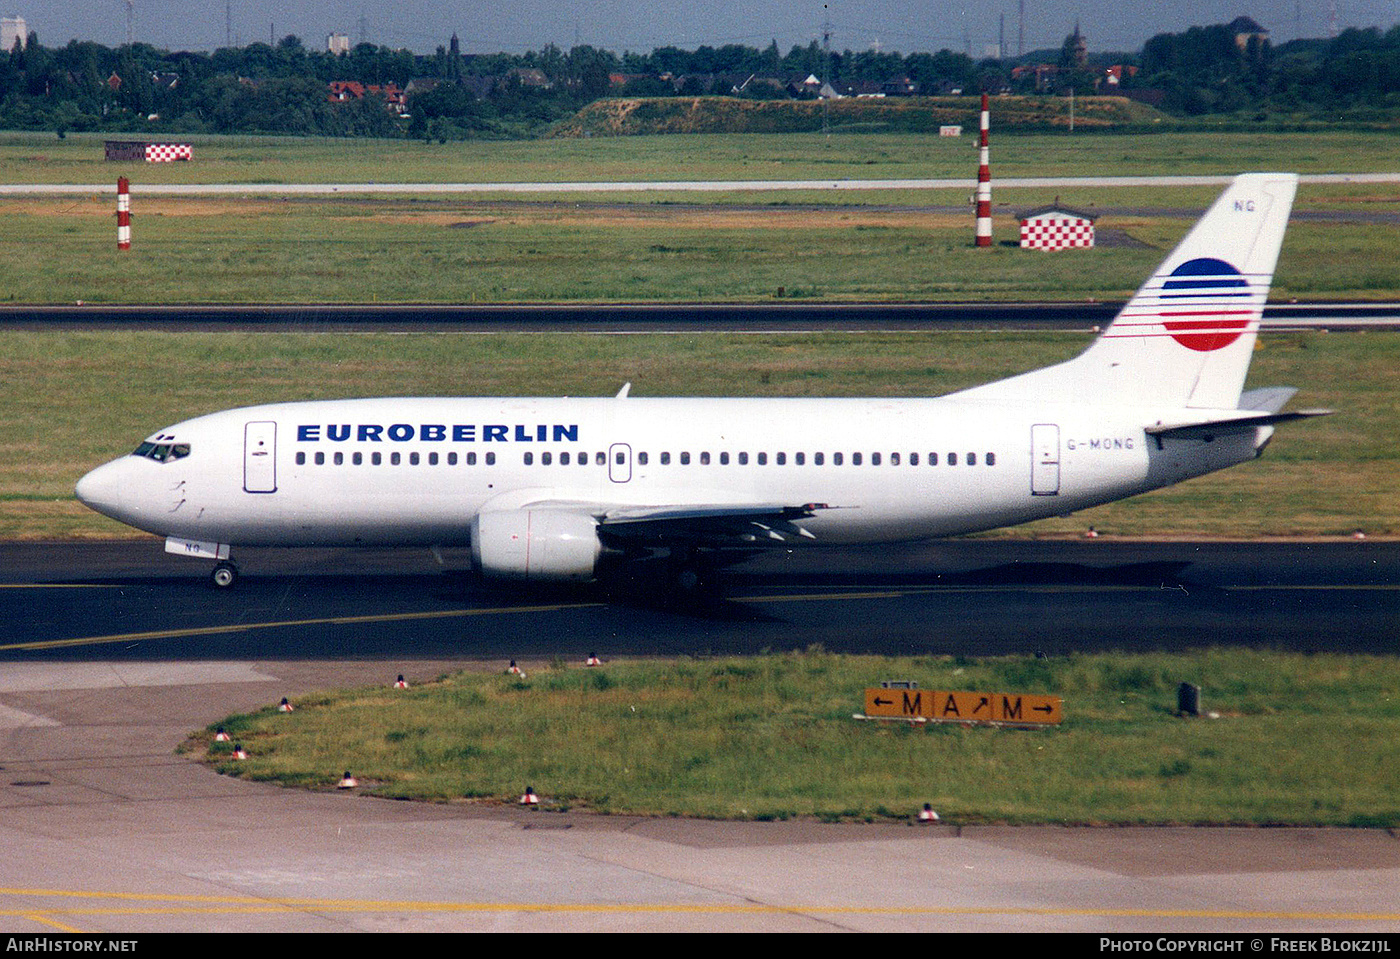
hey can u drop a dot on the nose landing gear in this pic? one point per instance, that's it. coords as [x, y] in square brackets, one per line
[225, 574]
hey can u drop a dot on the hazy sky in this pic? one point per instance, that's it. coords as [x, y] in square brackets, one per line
[486, 26]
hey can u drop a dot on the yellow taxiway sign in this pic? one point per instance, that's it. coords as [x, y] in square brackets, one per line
[930, 705]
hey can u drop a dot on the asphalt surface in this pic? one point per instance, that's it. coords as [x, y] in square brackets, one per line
[132, 601]
[110, 654]
[647, 318]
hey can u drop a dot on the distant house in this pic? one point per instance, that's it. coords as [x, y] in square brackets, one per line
[530, 77]
[13, 30]
[1246, 30]
[344, 91]
[1114, 75]
[1042, 75]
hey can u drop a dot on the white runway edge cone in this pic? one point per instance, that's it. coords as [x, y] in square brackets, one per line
[529, 799]
[927, 814]
[347, 781]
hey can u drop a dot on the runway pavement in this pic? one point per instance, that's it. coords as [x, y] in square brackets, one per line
[111, 653]
[658, 186]
[133, 601]
[779, 317]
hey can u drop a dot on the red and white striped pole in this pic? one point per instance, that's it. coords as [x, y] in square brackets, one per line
[123, 214]
[984, 183]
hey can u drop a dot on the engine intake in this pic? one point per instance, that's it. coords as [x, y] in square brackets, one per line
[536, 544]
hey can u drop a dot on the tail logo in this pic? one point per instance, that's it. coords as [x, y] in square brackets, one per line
[1206, 304]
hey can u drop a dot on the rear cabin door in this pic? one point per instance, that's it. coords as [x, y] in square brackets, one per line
[1045, 460]
[260, 457]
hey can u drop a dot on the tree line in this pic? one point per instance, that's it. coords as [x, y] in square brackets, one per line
[283, 87]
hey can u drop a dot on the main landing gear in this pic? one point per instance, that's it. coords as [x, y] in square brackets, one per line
[225, 574]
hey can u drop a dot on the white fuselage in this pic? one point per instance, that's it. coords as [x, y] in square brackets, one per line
[416, 471]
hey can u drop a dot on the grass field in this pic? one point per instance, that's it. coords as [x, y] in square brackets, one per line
[1300, 740]
[658, 247]
[440, 250]
[76, 399]
[78, 158]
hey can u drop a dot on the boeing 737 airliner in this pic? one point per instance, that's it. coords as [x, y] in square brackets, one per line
[547, 489]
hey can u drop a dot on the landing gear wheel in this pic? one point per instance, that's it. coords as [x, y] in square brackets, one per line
[224, 576]
[690, 579]
[693, 580]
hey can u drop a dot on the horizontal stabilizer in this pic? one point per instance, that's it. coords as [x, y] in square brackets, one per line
[1268, 399]
[1246, 420]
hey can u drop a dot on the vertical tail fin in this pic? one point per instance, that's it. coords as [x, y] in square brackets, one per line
[1186, 337]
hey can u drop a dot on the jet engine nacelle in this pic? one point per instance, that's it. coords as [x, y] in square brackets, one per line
[536, 544]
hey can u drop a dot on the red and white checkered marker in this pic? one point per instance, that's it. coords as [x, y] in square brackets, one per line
[529, 799]
[1056, 233]
[593, 660]
[400, 683]
[168, 152]
[238, 753]
[284, 706]
[347, 781]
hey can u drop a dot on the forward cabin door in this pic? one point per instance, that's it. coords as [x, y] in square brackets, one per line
[260, 457]
[1045, 460]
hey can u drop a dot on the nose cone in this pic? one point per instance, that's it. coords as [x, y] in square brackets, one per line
[102, 490]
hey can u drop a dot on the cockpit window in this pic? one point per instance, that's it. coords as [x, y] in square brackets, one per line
[162, 452]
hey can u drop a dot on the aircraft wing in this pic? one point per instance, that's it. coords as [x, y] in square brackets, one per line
[759, 524]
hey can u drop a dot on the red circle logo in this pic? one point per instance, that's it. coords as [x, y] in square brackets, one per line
[1207, 304]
